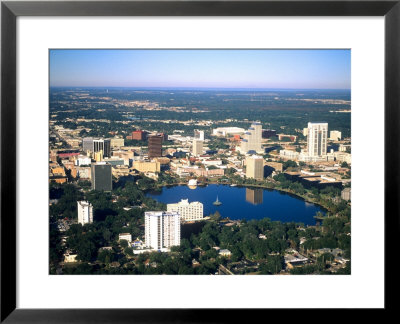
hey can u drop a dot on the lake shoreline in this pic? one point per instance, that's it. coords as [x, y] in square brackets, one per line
[306, 199]
[282, 207]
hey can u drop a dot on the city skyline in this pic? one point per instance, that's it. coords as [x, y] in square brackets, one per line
[198, 69]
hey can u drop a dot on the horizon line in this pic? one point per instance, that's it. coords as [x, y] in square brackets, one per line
[194, 88]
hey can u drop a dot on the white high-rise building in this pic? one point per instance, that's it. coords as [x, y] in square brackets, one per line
[252, 139]
[162, 229]
[188, 211]
[197, 147]
[85, 212]
[317, 139]
[199, 134]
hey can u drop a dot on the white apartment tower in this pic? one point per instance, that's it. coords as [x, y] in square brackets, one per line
[255, 167]
[252, 139]
[317, 139]
[199, 134]
[197, 147]
[187, 211]
[162, 229]
[85, 212]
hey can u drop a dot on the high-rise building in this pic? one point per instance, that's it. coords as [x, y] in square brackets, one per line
[155, 146]
[101, 176]
[97, 144]
[197, 147]
[85, 212]
[335, 135]
[188, 211]
[317, 139]
[162, 229]
[252, 139]
[254, 196]
[199, 134]
[346, 194]
[255, 167]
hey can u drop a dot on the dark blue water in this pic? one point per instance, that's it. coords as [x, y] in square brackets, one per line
[240, 202]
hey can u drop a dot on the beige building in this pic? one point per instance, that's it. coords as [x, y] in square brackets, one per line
[98, 156]
[346, 194]
[122, 171]
[197, 147]
[117, 142]
[255, 167]
[335, 135]
[145, 166]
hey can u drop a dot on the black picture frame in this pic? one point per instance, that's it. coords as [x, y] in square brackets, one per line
[10, 10]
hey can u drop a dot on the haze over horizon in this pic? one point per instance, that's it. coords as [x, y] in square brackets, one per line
[202, 69]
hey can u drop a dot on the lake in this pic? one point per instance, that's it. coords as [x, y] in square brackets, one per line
[241, 202]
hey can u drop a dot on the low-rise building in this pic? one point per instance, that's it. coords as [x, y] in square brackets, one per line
[188, 211]
[147, 166]
[117, 142]
[287, 154]
[70, 258]
[125, 236]
[224, 131]
[335, 135]
[225, 253]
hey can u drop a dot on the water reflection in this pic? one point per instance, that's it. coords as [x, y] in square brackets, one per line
[254, 196]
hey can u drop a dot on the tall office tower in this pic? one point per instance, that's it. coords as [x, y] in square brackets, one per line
[188, 211]
[155, 146]
[97, 144]
[87, 144]
[197, 147]
[199, 134]
[162, 229]
[335, 135]
[85, 212]
[254, 196]
[255, 167]
[317, 139]
[252, 139]
[101, 176]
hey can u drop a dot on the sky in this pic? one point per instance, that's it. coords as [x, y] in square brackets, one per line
[264, 69]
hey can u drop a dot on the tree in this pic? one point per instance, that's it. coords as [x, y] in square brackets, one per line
[273, 265]
[344, 165]
[123, 243]
[289, 164]
[128, 251]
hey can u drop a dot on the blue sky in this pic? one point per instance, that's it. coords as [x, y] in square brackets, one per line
[288, 69]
